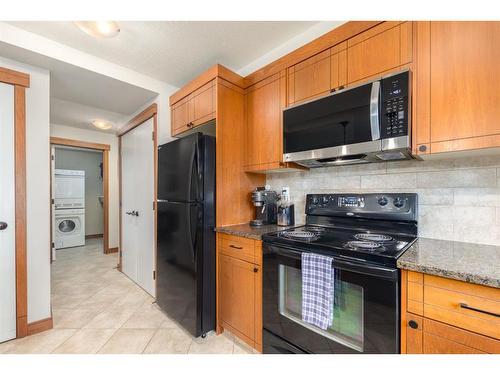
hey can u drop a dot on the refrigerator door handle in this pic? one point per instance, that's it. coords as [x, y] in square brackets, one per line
[192, 241]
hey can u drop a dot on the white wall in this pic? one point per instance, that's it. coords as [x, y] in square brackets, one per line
[88, 161]
[37, 188]
[63, 131]
[162, 101]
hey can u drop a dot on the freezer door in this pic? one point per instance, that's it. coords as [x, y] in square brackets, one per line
[180, 169]
[179, 263]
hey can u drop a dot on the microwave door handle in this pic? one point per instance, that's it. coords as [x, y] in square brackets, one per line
[375, 110]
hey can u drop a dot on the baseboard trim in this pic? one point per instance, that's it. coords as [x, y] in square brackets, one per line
[89, 236]
[40, 326]
[111, 250]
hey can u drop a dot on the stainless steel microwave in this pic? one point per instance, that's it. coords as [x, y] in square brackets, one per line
[361, 124]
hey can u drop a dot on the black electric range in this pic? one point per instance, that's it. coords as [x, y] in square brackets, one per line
[364, 234]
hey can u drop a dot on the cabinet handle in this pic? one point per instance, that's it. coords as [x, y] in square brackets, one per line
[422, 148]
[413, 324]
[236, 247]
[465, 306]
[255, 270]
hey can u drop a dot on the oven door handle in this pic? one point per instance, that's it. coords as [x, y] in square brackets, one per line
[347, 265]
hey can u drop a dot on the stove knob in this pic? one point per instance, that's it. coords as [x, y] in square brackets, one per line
[383, 201]
[325, 200]
[315, 201]
[399, 202]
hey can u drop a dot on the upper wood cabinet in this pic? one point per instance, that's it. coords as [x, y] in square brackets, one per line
[338, 66]
[310, 78]
[263, 124]
[378, 50]
[317, 75]
[195, 109]
[457, 86]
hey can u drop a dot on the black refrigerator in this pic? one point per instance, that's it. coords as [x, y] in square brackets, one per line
[185, 270]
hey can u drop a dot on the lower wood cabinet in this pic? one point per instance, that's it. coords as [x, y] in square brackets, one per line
[444, 316]
[239, 288]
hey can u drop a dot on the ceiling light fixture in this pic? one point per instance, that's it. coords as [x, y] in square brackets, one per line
[99, 29]
[102, 124]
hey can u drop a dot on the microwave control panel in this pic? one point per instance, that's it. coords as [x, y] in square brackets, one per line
[394, 107]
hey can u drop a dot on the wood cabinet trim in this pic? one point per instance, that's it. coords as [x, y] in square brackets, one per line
[464, 144]
[311, 60]
[213, 72]
[372, 32]
[332, 38]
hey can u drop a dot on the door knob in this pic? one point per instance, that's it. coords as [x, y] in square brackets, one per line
[3, 225]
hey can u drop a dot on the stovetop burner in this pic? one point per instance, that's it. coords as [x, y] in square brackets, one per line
[364, 245]
[373, 237]
[376, 227]
[304, 235]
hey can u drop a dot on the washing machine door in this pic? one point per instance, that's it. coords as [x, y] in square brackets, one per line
[67, 226]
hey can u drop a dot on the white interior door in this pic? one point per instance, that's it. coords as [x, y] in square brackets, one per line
[7, 216]
[138, 245]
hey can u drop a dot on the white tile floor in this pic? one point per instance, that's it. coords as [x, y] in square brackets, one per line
[97, 309]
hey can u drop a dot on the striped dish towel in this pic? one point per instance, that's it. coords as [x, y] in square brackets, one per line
[317, 290]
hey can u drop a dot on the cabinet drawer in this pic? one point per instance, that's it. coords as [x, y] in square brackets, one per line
[472, 307]
[239, 248]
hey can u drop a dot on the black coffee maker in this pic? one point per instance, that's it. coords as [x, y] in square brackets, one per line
[265, 203]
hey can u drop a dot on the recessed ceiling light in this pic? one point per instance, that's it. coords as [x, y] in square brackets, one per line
[99, 29]
[102, 124]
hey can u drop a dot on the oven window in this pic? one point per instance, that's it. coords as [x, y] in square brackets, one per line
[347, 328]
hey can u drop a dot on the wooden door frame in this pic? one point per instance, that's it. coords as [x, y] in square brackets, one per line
[148, 113]
[20, 81]
[104, 148]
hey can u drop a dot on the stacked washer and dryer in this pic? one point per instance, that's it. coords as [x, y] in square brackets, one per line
[69, 208]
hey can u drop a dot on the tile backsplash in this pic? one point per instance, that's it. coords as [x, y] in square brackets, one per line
[459, 199]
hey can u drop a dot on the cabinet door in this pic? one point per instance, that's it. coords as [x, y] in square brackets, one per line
[338, 66]
[427, 336]
[203, 104]
[180, 116]
[375, 51]
[310, 78]
[237, 294]
[263, 143]
[464, 80]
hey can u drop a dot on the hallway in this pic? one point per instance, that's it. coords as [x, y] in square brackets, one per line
[97, 309]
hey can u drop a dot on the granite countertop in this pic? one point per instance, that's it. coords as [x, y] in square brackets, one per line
[474, 263]
[246, 230]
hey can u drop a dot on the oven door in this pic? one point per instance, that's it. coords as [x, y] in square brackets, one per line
[343, 124]
[365, 307]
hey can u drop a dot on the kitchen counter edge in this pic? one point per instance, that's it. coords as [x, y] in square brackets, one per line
[469, 262]
[247, 231]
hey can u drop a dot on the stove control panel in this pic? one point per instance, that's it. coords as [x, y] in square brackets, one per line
[388, 206]
[351, 201]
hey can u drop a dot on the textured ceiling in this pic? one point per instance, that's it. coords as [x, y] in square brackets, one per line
[176, 51]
